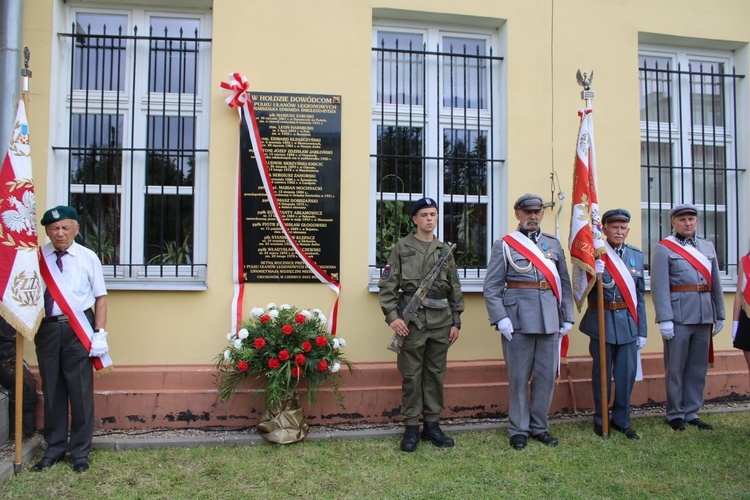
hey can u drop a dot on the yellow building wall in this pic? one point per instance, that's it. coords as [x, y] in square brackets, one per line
[303, 46]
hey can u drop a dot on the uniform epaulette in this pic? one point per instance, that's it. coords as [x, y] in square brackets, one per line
[550, 236]
[633, 248]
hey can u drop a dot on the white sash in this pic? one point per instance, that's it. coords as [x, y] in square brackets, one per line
[523, 245]
[698, 260]
[621, 274]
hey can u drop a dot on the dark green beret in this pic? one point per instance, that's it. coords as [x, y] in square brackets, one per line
[58, 213]
[421, 203]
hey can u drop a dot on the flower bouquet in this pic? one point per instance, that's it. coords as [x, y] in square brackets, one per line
[279, 347]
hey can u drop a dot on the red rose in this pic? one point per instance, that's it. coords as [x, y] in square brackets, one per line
[323, 366]
[321, 341]
[283, 355]
[287, 329]
[265, 318]
[259, 343]
[306, 346]
[274, 364]
[300, 359]
[296, 371]
[300, 319]
[242, 366]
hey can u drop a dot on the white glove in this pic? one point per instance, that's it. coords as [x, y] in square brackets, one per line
[718, 326]
[641, 342]
[599, 266]
[735, 324]
[505, 326]
[99, 345]
[667, 329]
[565, 328]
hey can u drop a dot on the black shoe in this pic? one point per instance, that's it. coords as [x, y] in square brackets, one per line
[411, 436]
[44, 463]
[546, 438]
[518, 442]
[433, 434]
[80, 464]
[701, 424]
[598, 430]
[629, 433]
[677, 424]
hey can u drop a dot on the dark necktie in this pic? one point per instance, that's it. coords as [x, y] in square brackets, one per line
[620, 251]
[48, 300]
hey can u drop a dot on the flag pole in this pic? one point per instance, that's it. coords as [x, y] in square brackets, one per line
[588, 95]
[18, 437]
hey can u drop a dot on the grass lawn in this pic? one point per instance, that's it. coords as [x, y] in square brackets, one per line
[662, 464]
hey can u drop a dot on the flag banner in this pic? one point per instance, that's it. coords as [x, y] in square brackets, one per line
[240, 99]
[586, 238]
[22, 300]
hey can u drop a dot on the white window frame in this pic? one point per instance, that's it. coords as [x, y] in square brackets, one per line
[166, 277]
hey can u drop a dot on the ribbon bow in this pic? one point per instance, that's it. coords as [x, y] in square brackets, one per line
[239, 86]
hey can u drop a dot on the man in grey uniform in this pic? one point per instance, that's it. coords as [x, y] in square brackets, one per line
[423, 357]
[529, 299]
[625, 326]
[688, 299]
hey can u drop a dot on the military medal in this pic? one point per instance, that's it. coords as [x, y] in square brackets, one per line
[544, 246]
[632, 264]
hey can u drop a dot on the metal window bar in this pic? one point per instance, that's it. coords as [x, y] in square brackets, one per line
[103, 56]
[415, 156]
[690, 183]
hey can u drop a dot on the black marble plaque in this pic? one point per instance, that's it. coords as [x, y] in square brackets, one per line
[301, 137]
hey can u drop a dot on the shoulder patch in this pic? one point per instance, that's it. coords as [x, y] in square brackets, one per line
[385, 272]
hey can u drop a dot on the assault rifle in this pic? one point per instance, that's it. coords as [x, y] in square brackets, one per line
[409, 314]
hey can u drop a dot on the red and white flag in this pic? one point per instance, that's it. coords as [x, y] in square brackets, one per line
[22, 300]
[586, 238]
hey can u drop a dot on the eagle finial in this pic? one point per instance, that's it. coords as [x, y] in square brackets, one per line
[584, 80]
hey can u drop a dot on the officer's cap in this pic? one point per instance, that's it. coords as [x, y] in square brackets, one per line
[616, 214]
[683, 209]
[421, 203]
[528, 201]
[59, 213]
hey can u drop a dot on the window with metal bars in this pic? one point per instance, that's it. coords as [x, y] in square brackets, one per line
[436, 133]
[689, 150]
[132, 148]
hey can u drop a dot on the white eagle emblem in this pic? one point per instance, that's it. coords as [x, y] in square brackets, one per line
[23, 218]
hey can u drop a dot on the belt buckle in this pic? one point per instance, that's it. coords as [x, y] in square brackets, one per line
[544, 285]
[62, 319]
[613, 306]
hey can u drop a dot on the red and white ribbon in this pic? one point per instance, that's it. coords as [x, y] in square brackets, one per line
[241, 99]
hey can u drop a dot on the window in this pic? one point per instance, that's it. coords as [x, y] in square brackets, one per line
[131, 151]
[689, 149]
[436, 122]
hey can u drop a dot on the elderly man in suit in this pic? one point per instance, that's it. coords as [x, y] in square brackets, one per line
[529, 299]
[625, 329]
[688, 299]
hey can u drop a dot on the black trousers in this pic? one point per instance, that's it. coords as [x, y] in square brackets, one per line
[67, 375]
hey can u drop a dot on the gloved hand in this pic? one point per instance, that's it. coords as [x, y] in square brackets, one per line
[565, 328]
[599, 266]
[718, 326]
[505, 326]
[735, 324]
[641, 342]
[99, 345]
[667, 329]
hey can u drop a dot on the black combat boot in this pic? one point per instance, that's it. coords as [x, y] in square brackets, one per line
[411, 436]
[433, 434]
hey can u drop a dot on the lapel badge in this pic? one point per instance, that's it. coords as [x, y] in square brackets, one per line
[385, 272]
[544, 246]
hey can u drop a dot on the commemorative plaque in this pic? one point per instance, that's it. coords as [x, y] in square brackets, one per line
[301, 138]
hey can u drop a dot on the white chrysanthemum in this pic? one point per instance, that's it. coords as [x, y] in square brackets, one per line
[335, 343]
[257, 311]
[336, 367]
[271, 305]
[227, 354]
[322, 319]
[284, 307]
[342, 342]
[317, 311]
[307, 314]
[230, 336]
[237, 343]
[243, 334]
[273, 313]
